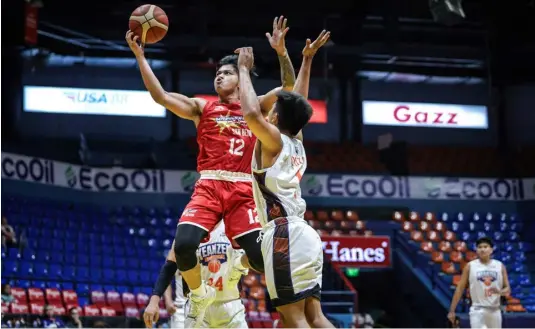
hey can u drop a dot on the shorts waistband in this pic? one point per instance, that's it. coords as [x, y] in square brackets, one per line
[283, 221]
[224, 175]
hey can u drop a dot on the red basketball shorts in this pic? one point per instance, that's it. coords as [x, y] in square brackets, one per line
[214, 200]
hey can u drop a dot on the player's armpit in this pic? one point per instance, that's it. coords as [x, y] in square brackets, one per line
[183, 106]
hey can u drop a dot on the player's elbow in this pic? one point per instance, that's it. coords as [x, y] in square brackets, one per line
[158, 96]
[288, 87]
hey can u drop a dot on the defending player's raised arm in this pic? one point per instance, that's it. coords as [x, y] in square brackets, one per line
[183, 106]
[302, 85]
[268, 134]
[461, 286]
[277, 42]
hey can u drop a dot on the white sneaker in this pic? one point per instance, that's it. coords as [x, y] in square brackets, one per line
[196, 306]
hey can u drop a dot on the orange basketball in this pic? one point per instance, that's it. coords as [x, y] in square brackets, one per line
[214, 266]
[149, 23]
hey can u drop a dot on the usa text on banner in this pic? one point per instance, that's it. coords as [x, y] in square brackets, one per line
[62, 174]
[424, 115]
[373, 251]
[91, 101]
[377, 187]
[456, 188]
[529, 188]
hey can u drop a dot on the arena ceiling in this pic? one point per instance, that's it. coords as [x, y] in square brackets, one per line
[372, 34]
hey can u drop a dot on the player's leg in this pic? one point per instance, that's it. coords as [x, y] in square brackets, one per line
[493, 318]
[476, 318]
[293, 315]
[241, 222]
[230, 314]
[201, 215]
[314, 314]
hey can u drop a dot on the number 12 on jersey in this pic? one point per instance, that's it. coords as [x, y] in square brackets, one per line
[236, 146]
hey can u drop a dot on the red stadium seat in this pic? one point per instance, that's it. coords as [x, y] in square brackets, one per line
[60, 310]
[261, 306]
[5, 308]
[53, 296]
[398, 216]
[470, 256]
[322, 215]
[439, 226]
[449, 236]
[250, 280]
[98, 298]
[17, 308]
[107, 311]
[433, 236]
[131, 312]
[456, 256]
[91, 310]
[368, 233]
[114, 301]
[429, 217]
[426, 246]
[70, 297]
[414, 216]
[36, 308]
[20, 295]
[257, 292]
[424, 226]
[456, 279]
[309, 215]
[36, 296]
[460, 246]
[407, 226]
[337, 215]
[448, 268]
[142, 300]
[417, 236]
[128, 299]
[437, 256]
[352, 216]
[348, 225]
[263, 280]
[444, 246]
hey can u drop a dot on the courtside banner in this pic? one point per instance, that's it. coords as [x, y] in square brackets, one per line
[91, 101]
[458, 188]
[358, 251]
[529, 188]
[424, 115]
[43, 171]
[351, 186]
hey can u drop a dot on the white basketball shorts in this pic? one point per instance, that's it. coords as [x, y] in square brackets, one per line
[483, 317]
[293, 260]
[229, 314]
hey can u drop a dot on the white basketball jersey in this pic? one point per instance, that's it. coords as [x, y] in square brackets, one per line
[482, 277]
[276, 189]
[216, 258]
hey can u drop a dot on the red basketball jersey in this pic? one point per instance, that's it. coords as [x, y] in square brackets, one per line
[225, 141]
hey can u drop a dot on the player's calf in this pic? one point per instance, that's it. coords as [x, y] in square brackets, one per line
[293, 315]
[250, 243]
[187, 240]
[314, 314]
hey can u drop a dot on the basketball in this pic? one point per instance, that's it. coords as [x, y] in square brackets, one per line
[149, 23]
[214, 265]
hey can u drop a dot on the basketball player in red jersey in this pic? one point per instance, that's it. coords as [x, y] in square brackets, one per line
[224, 190]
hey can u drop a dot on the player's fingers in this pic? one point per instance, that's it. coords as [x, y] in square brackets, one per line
[285, 31]
[308, 42]
[279, 22]
[275, 22]
[284, 22]
[268, 36]
[135, 39]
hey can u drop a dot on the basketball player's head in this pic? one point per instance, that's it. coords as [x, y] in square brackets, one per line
[485, 247]
[291, 112]
[226, 79]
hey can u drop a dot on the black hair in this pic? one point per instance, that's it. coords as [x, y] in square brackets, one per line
[232, 60]
[293, 111]
[486, 240]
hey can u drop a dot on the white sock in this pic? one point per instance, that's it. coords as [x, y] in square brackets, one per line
[200, 290]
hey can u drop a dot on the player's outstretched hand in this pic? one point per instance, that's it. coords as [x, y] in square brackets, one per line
[312, 47]
[451, 317]
[171, 309]
[276, 40]
[133, 43]
[245, 57]
[151, 314]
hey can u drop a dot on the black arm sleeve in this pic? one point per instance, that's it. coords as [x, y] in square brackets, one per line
[164, 278]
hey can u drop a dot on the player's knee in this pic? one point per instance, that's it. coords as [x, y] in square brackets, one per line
[252, 248]
[187, 240]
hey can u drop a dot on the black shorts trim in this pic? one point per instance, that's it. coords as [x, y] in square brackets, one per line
[313, 292]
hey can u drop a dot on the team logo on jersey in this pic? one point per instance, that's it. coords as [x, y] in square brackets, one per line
[487, 277]
[213, 255]
[189, 212]
[228, 122]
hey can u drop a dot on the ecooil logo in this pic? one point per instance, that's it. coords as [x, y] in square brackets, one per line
[70, 176]
[433, 187]
[188, 181]
[313, 185]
